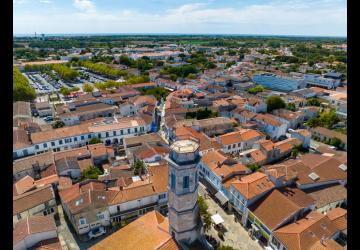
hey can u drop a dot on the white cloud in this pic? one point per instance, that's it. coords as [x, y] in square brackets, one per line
[45, 1]
[85, 5]
[280, 17]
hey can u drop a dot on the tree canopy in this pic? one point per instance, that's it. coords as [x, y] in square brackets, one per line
[91, 172]
[88, 88]
[22, 91]
[95, 140]
[274, 102]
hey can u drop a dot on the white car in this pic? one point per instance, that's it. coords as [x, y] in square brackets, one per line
[96, 232]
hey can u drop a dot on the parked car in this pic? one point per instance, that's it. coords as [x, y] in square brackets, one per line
[97, 232]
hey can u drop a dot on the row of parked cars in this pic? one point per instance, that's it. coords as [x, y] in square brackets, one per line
[38, 83]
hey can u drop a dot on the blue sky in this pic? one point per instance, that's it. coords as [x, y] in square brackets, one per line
[273, 17]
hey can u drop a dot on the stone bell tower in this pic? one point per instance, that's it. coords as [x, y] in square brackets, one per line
[184, 217]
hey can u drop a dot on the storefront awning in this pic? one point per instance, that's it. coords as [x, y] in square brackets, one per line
[217, 219]
[221, 197]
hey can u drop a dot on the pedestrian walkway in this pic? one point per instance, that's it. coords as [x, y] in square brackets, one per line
[66, 238]
[236, 236]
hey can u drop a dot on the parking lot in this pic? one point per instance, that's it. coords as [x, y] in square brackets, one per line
[43, 83]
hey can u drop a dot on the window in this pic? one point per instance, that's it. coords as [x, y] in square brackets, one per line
[45, 145]
[107, 134]
[36, 146]
[129, 131]
[18, 216]
[114, 133]
[99, 135]
[82, 137]
[100, 216]
[82, 221]
[186, 182]
[173, 180]
[89, 136]
[135, 130]
[75, 138]
[53, 144]
[162, 196]
[239, 144]
[141, 129]
[67, 140]
[234, 145]
[229, 147]
[121, 132]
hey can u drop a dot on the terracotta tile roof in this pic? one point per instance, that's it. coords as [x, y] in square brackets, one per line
[32, 225]
[59, 133]
[303, 132]
[268, 119]
[304, 233]
[82, 152]
[84, 164]
[328, 195]
[205, 142]
[222, 165]
[48, 171]
[27, 163]
[21, 109]
[23, 185]
[330, 133]
[258, 156]
[297, 196]
[64, 182]
[239, 136]
[32, 199]
[20, 139]
[52, 179]
[148, 232]
[286, 114]
[252, 185]
[339, 217]
[97, 150]
[274, 209]
[50, 244]
[327, 244]
[327, 168]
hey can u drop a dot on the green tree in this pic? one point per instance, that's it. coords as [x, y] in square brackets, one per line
[336, 142]
[64, 91]
[139, 167]
[274, 102]
[91, 172]
[256, 89]
[254, 167]
[95, 140]
[58, 124]
[22, 91]
[291, 106]
[313, 102]
[88, 88]
[74, 89]
[204, 213]
[294, 153]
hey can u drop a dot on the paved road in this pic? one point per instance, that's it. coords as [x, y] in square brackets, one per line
[236, 236]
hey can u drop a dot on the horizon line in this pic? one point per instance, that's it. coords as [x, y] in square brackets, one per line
[172, 34]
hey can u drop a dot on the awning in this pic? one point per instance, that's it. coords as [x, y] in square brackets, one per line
[217, 219]
[221, 197]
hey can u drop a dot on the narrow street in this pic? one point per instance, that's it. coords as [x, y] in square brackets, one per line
[236, 236]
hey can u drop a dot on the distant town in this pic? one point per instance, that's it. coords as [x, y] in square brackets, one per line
[179, 142]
